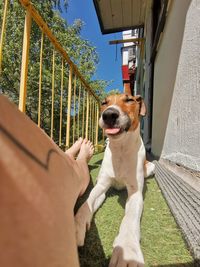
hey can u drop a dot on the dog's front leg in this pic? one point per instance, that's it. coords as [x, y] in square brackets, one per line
[127, 251]
[86, 211]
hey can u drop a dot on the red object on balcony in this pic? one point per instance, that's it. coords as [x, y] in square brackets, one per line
[125, 73]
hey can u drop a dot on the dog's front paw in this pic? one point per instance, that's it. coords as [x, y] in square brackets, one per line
[149, 169]
[127, 255]
[82, 223]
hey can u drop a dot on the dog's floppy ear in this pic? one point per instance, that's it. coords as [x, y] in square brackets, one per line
[143, 109]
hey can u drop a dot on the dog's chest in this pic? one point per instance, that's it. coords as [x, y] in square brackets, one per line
[120, 163]
[123, 165]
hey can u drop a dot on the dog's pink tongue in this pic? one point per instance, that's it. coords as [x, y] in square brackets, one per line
[112, 130]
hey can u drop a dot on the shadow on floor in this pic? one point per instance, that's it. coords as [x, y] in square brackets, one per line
[146, 182]
[92, 253]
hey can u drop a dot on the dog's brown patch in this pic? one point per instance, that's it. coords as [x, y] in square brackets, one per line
[132, 105]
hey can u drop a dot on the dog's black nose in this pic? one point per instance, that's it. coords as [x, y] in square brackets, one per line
[110, 116]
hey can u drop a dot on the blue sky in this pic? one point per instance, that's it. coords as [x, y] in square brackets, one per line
[108, 68]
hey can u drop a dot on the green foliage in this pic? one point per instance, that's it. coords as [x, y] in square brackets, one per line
[57, 4]
[79, 50]
[99, 85]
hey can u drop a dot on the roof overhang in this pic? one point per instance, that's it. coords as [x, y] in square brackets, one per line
[120, 15]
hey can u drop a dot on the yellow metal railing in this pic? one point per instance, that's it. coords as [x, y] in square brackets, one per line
[78, 106]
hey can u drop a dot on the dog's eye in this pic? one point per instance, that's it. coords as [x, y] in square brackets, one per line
[129, 100]
[105, 102]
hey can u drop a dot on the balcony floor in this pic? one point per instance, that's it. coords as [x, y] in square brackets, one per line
[161, 239]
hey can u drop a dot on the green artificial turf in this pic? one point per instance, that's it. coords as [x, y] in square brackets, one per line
[161, 240]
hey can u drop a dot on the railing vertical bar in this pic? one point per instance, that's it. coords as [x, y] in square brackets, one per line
[24, 66]
[83, 115]
[91, 103]
[94, 122]
[52, 97]
[87, 116]
[92, 117]
[78, 120]
[97, 125]
[74, 117]
[40, 80]
[61, 102]
[3, 32]
[69, 107]
[95, 114]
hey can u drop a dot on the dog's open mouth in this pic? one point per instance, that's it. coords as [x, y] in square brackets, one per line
[113, 131]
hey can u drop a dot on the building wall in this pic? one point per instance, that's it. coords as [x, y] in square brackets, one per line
[165, 70]
[182, 139]
[146, 91]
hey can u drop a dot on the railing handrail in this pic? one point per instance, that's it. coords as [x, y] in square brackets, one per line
[44, 27]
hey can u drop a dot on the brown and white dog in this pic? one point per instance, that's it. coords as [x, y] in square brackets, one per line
[124, 165]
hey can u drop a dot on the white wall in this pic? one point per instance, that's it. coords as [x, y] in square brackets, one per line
[148, 74]
[182, 140]
[165, 70]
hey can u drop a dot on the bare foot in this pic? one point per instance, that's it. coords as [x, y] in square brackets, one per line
[74, 149]
[86, 150]
[85, 154]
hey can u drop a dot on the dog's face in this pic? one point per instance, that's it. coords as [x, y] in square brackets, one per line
[121, 113]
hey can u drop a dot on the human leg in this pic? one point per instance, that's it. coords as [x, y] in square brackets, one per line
[39, 185]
